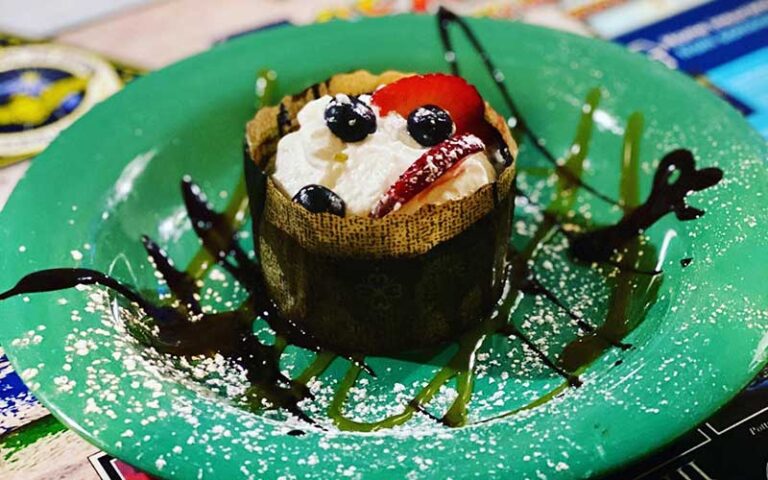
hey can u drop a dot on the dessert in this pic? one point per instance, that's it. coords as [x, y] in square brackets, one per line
[387, 208]
[410, 267]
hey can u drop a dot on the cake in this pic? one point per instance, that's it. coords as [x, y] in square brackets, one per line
[382, 208]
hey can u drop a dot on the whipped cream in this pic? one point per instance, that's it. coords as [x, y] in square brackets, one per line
[361, 172]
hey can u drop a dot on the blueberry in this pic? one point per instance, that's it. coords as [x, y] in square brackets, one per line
[430, 125]
[318, 199]
[349, 118]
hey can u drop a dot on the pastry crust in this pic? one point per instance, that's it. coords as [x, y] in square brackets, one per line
[360, 285]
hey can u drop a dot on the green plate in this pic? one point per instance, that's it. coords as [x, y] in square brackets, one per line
[114, 176]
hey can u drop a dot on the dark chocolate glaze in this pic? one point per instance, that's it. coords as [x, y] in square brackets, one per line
[504, 151]
[216, 233]
[445, 18]
[532, 285]
[667, 195]
[283, 120]
[316, 90]
[180, 283]
[513, 331]
[227, 333]
[63, 278]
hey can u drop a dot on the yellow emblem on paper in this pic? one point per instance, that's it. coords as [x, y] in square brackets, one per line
[43, 89]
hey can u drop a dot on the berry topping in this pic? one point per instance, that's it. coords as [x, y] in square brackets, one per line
[449, 92]
[318, 199]
[425, 171]
[349, 118]
[430, 125]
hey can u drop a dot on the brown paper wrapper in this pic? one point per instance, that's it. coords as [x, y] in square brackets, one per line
[378, 286]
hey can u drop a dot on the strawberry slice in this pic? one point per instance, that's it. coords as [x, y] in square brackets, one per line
[449, 92]
[426, 170]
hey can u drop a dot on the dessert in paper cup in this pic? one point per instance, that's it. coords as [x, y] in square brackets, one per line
[382, 208]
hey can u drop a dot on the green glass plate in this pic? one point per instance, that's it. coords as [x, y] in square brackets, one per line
[699, 338]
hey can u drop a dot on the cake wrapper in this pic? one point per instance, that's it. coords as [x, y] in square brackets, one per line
[376, 286]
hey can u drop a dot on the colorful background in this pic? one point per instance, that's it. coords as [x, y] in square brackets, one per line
[723, 44]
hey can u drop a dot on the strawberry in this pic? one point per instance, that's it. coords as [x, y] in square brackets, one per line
[449, 92]
[426, 170]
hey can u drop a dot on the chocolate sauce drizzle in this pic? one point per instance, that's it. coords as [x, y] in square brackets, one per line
[64, 278]
[182, 328]
[532, 286]
[667, 195]
[180, 283]
[516, 121]
[283, 120]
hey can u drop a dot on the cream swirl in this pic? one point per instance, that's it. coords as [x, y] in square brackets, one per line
[361, 172]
